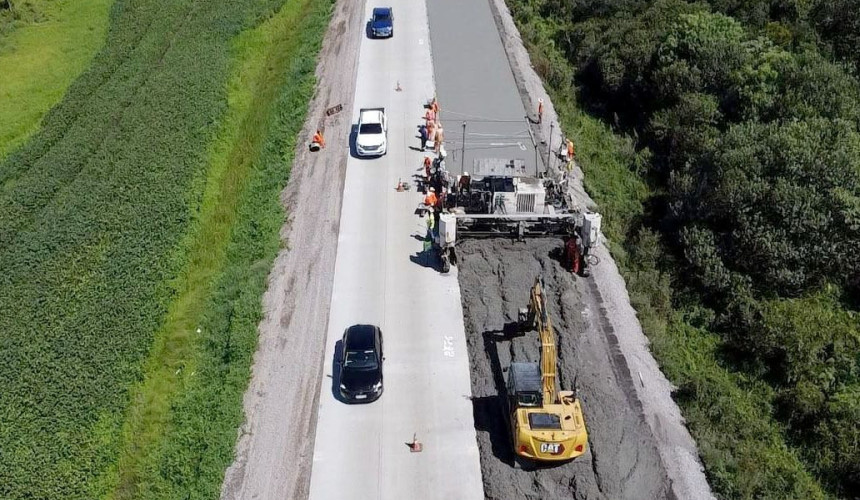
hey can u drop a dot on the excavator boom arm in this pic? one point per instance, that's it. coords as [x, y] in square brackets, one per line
[547, 340]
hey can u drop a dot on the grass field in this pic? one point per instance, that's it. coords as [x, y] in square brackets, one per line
[44, 46]
[146, 207]
[271, 80]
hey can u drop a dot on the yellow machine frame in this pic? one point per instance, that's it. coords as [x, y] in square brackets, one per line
[553, 429]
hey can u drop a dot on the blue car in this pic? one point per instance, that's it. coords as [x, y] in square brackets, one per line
[382, 22]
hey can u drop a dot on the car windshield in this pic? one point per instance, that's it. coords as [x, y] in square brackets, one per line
[370, 128]
[360, 360]
[382, 16]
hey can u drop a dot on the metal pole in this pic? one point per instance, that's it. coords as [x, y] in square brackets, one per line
[549, 147]
[534, 142]
[463, 152]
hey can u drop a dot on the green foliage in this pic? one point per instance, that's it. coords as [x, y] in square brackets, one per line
[271, 73]
[814, 344]
[750, 146]
[783, 202]
[44, 46]
[740, 444]
[93, 214]
[190, 460]
[838, 23]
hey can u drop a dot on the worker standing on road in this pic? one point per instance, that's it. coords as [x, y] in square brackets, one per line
[429, 116]
[431, 199]
[540, 110]
[318, 139]
[434, 106]
[464, 185]
[422, 131]
[437, 140]
[427, 163]
[431, 131]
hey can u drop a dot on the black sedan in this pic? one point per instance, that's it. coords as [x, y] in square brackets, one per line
[361, 364]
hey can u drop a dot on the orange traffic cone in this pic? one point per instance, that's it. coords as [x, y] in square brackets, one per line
[415, 446]
[399, 187]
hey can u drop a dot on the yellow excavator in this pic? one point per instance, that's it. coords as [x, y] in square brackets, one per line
[546, 424]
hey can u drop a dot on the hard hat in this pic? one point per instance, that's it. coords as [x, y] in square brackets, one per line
[466, 174]
[432, 190]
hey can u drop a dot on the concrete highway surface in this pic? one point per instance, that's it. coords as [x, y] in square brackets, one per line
[475, 85]
[382, 278]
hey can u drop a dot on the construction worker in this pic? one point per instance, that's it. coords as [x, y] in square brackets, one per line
[422, 132]
[438, 139]
[427, 163]
[540, 110]
[431, 199]
[570, 154]
[434, 106]
[429, 116]
[318, 140]
[465, 183]
[573, 253]
[440, 205]
[431, 131]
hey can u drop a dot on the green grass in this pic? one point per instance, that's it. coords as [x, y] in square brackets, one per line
[729, 414]
[96, 212]
[263, 71]
[44, 46]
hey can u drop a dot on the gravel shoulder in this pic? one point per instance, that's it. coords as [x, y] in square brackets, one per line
[275, 444]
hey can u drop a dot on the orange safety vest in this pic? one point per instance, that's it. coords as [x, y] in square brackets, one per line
[318, 138]
[430, 199]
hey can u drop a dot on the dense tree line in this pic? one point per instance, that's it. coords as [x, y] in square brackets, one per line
[750, 112]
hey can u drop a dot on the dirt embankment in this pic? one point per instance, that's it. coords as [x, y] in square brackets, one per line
[622, 462]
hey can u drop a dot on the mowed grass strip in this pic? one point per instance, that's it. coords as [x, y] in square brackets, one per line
[44, 46]
[93, 212]
[263, 66]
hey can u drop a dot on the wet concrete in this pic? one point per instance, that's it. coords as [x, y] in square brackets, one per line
[622, 461]
[475, 85]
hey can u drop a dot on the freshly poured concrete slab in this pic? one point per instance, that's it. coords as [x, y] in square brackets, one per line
[475, 85]
[381, 278]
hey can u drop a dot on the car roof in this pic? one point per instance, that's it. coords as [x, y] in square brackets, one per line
[381, 10]
[360, 337]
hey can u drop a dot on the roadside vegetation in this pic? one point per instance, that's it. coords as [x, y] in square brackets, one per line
[44, 46]
[720, 139]
[137, 228]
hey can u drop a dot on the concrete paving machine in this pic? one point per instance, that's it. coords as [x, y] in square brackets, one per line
[546, 423]
[499, 199]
